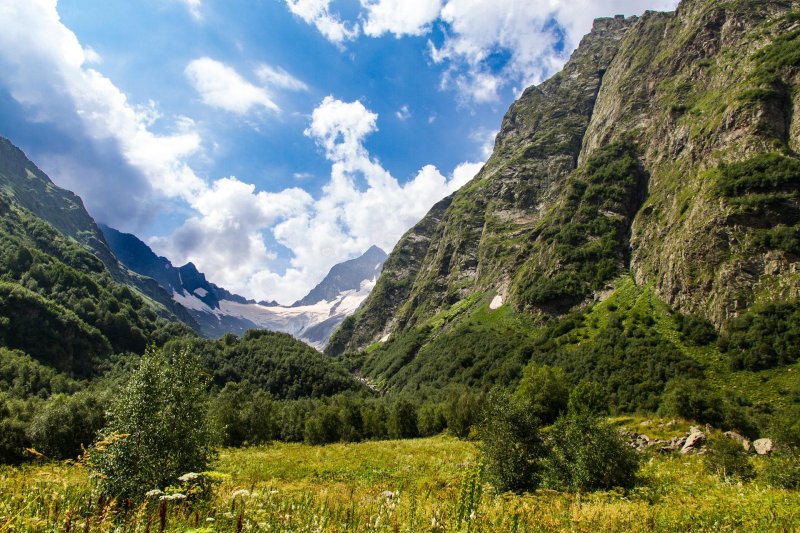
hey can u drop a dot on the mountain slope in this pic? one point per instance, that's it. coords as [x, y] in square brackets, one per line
[218, 311]
[30, 188]
[346, 276]
[665, 151]
[59, 303]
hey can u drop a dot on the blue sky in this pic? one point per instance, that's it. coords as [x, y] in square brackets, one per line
[268, 140]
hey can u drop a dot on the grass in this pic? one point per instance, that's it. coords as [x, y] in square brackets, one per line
[434, 485]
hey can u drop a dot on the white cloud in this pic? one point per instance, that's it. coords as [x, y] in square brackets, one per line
[361, 205]
[194, 8]
[279, 78]
[399, 17]
[317, 12]
[46, 69]
[403, 113]
[488, 45]
[523, 33]
[221, 86]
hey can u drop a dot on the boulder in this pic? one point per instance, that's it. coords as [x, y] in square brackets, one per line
[694, 441]
[740, 439]
[763, 446]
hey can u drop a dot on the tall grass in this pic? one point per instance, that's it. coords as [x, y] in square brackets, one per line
[398, 486]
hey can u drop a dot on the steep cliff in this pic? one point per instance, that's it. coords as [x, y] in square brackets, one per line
[665, 150]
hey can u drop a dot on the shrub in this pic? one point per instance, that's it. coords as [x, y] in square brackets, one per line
[696, 330]
[511, 447]
[158, 427]
[692, 399]
[403, 421]
[783, 467]
[65, 424]
[585, 453]
[462, 411]
[243, 414]
[588, 397]
[544, 391]
[764, 337]
[727, 459]
[431, 419]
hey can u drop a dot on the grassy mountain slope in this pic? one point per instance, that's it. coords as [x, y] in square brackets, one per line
[659, 166]
[30, 188]
[60, 304]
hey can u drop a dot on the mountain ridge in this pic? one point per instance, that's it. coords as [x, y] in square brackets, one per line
[664, 152]
[219, 311]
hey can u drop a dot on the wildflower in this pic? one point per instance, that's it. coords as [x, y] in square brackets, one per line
[241, 493]
[209, 519]
[173, 497]
[153, 493]
[191, 476]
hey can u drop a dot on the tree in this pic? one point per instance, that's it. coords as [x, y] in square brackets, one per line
[403, 421]
[511, 446]
[66, 423]
[158, 427]
[544, 391]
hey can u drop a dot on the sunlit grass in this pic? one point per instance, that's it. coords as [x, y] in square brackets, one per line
[433, 486]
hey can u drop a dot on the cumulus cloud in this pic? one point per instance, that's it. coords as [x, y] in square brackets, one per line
[361, 205]
[399, 17]
[488, 45]
[279, 78]
[231, 224]
[222, 87]
[48, 72]
[532, 38]
[317, 13]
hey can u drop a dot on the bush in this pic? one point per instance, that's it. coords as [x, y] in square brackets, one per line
[243, 414]
[511, 447]
[431, 419]
[764, 337]
[13, 424]
[403, 421]
[696, 330]
[65, 424]
[158, 427]
[544, 391]
[585, 453]
[462, 411]
[588, 397]
[783, 467]
[692, 399]
[727, 459]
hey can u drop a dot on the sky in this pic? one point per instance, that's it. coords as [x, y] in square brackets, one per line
[268, 140]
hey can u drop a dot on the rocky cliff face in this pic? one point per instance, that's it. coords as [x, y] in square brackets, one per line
[666, 148]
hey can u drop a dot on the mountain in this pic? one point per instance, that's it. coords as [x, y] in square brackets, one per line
[218, 311]
[59, 301]
[654, 180]
[347, 276]
[30, 188]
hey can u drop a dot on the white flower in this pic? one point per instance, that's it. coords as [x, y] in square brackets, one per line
[153, 493]
[173, 497]
[191, 476]
[241, 493]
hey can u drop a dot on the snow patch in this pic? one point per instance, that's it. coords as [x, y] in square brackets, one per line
[190, 301]
[497, 301]
[201, 292]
